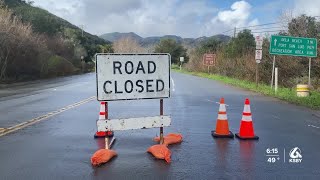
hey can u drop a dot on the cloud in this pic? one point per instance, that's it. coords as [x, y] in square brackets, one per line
[69, 10]
[308, 7]
[187, 18]
[237, 16]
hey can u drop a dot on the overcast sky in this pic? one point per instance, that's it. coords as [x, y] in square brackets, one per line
[186, 18]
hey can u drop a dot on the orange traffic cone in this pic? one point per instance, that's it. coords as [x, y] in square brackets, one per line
[103, 115]
[222, 126]
[246, 126]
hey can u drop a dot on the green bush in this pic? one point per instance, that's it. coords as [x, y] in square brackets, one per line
[58, 66]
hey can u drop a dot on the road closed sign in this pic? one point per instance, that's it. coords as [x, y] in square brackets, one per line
[132, 76]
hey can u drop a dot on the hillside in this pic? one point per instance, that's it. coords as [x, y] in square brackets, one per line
[43, 21]
[37, 44]
[151, 41]
[116, 36]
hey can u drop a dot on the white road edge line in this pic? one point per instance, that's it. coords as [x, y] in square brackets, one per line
[313, 126]
[173, 85]
[5, 131]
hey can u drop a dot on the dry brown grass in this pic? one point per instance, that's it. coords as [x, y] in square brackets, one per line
[292, 70]
[25, 54]
[127, 45]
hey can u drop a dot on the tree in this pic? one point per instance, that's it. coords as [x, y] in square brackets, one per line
[173, 48]
[106, 48]
[210, 46]
[243, 44]
[304, 26]
[127, 45]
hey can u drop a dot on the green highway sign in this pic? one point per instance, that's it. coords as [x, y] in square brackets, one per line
[293, 46]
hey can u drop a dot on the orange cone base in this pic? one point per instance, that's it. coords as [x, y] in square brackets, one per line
[103, 134]
[247, 138]
[215, 135]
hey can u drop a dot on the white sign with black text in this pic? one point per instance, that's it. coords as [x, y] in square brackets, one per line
[259, 42]
[258, 54]
[132, 76]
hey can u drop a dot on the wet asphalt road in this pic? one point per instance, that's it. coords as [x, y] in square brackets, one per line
[61, 146]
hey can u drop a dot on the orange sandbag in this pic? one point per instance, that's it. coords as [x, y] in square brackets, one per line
[102, 156]
[171, 138]
[160, 151]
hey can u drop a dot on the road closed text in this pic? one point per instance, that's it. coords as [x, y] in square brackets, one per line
[128, 68]
[133, 77]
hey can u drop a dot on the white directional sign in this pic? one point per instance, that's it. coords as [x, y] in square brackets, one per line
[258, 54]
[259, 42]
[132, 76]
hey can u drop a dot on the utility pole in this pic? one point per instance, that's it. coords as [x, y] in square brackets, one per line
[235, 32]
[82, 26]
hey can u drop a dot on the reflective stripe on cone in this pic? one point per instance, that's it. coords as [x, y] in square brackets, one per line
[246, 126]
[222, 125]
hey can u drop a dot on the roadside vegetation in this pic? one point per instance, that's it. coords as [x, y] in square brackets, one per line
[127, 45]
[235, 63]
[283, 93]
[236, 58]
[37, 44]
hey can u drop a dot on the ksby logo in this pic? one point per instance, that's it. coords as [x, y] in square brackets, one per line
[295, 155]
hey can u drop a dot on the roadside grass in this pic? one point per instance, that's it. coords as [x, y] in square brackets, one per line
[286, 94]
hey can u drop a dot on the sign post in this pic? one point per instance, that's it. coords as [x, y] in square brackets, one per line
[276, 80]
[273, 65]
[133, 77]
[209, 60]
[181, 61]
[309, 77]
[258, 56]
[294, 46]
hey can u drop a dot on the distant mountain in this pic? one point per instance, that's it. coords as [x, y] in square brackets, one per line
[151, 41]
[116, 36]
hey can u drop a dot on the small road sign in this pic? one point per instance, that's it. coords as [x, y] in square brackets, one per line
[258, 61]
[259, 42]
[209, 59]
[181, 59]
[258, 54]
[132, 76]
[293, 46]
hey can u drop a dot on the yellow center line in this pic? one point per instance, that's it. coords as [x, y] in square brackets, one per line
[5, 131]
[2, 130]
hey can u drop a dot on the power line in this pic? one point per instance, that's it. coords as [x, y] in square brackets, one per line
[226, 31]
[258, 29]
[236, 30]
[268, 31]
[265, 24]
[260, 25]
[245, 27]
